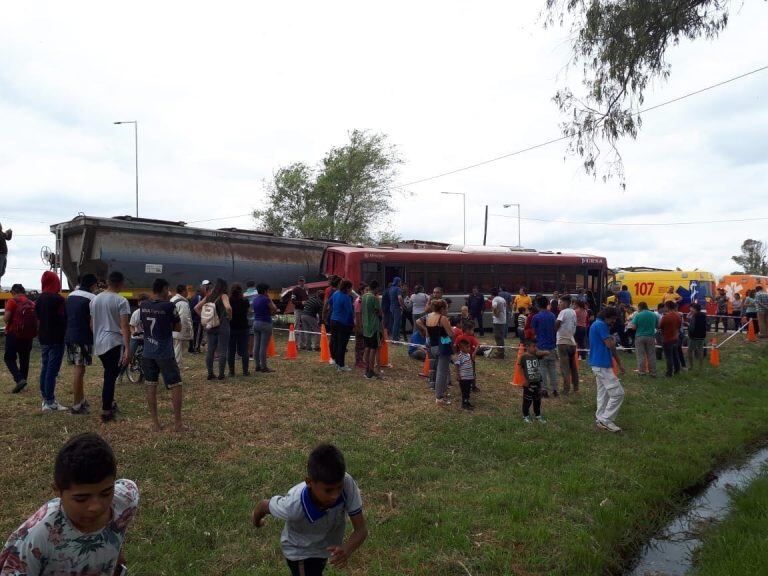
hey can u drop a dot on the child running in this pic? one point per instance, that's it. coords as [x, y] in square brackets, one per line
[465, 372]
[529, 364]
[314, 514]
[83, 530]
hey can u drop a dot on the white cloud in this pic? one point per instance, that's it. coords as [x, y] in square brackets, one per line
[225, 94]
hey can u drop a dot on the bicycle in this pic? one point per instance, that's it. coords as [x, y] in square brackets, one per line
[133, 370]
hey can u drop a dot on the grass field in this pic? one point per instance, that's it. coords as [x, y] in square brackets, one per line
[738, 545]
[446, 492]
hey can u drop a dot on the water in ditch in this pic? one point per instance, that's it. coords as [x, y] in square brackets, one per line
[670, 553]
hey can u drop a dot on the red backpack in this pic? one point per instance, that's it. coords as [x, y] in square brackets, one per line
[24, 320]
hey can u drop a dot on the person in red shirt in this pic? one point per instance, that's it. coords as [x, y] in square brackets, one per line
[670, 326]
[17, 346]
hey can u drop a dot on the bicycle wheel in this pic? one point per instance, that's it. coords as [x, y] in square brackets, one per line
[135, 374]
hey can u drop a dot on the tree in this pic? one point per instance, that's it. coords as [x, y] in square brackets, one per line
[622, 46]
[753, 257]
[341, 199]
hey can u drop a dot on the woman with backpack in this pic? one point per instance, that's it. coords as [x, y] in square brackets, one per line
[20, 330]
[215, 312]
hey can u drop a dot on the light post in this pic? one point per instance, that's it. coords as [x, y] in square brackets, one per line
[464, 196]
[519, 243]
[136, 146]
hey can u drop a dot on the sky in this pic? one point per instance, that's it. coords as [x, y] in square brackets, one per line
[226, 93]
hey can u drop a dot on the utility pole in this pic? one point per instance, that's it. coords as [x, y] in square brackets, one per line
[485, 227]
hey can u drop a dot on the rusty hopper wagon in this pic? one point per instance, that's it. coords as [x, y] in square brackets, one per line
[144, 249]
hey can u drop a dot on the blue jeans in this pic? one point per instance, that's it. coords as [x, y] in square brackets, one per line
[52, 356]
[396, 316]
[262, 332]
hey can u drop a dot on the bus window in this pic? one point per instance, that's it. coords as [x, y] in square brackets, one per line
[542, 279]
[570, 278]
[415, 276]
[392, 271]
[479, 275]
[371, 271]
[511, 277]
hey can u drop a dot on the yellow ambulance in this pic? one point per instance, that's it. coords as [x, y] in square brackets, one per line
[650, 284]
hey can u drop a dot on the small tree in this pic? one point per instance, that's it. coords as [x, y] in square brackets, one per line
[341, 199]
[753, 257]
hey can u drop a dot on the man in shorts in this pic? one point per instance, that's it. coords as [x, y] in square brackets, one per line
[371, 312]
[78, 339]
[160, 319]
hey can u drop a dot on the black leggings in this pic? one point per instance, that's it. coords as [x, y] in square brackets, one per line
[466, 389]
[532, 395]
[111, 362]
[340, 334]
[307, 567]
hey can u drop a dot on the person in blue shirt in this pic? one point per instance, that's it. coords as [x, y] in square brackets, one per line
[396, 305]
[624, 296]
[543, 324]
[342, 323]
[602, 353]
[417, 349]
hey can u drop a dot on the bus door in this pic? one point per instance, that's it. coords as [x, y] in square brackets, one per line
[595, 283]
[392, 271]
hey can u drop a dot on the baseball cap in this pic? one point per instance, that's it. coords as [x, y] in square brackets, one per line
[205, 282]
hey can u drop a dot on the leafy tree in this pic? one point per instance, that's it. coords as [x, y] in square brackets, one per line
[753, 257]
[388, 237]
[622, 46]
[341, 199]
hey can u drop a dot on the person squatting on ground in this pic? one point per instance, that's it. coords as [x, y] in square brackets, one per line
[530, 365]
[670, 326]
[602, 354]
[437, 327]
[182, 337]
[79, 339]
[565, 325]
[370, 311]
[160, 318]
[215, 312]
[51, 312]
[342, 323]
[543, 325]
[110, 314]
[465, 371]
[644, 324]
[263, 310]
[697, 335]
[82, 530]
[20, 331]
[314, 512]
[239, 330]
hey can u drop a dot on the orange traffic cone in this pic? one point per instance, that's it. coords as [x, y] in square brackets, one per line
[714, 354]
[425, 367]
[271, 347]
[517, 378]
[325, 349]
[751, 336]
[291, 353]
[384, 352]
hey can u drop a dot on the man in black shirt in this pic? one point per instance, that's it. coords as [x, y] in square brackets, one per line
[78, 338]
[697, 334]
[160, 320]
[52, 324]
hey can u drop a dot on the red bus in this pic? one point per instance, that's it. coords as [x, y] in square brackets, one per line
[458, 268]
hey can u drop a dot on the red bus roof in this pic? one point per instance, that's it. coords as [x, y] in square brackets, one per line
[512, 257]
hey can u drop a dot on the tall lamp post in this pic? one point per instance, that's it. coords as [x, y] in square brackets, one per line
[136, 146]
[519, 243]
[464, 196]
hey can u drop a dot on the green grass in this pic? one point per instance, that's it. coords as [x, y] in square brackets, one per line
[739, 544]
[446, 492]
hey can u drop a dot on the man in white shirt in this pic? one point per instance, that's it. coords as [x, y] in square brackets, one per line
[566, 344]
[499, 306]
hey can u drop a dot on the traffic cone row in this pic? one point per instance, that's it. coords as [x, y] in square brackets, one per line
[291, 352]
[751, 336]
[384, 352]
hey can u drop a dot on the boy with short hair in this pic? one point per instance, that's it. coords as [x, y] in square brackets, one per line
[370, 312]
[83, 530]
[314, 515]
[529, 364]
[697, 334]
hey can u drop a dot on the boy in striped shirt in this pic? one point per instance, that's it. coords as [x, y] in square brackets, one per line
[466, 372]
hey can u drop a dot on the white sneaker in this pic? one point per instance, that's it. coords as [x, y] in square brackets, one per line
[611, 427]
[54, 407]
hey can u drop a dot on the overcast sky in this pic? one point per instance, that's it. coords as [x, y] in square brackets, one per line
[225, 93]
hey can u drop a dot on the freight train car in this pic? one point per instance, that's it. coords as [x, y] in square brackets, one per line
[144, 249]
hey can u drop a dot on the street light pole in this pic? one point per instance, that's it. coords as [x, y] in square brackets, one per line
[136, 147]
[519, 243]
[464, 196]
